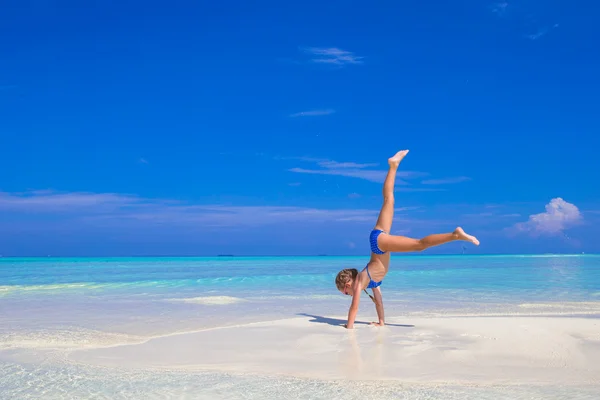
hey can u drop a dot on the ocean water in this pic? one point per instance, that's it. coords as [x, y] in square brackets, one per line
[52, 305]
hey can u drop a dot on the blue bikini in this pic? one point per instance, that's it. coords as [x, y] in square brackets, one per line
[375, 249]
[372, 283]
[373, 239]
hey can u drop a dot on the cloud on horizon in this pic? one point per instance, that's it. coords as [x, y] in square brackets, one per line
[105, 208]
[560, 215]
[83, 223]
[79, 223]
[46, 208]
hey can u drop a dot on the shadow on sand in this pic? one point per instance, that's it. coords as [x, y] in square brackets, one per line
[340, 322]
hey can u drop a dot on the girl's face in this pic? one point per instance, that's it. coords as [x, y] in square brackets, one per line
[347, 289]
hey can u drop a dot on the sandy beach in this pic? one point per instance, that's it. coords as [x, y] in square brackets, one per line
[155, 333]
[461, 350]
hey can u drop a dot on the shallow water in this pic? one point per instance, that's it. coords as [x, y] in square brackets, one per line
[63, 381]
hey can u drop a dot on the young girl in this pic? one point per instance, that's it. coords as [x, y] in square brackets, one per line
[351, 282]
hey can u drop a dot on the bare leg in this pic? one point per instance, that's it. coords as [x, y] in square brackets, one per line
[398, 244]
[386, 215]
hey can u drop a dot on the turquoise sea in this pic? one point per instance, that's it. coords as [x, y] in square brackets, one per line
[48, 305]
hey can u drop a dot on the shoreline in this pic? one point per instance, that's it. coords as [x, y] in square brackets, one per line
[140, 338]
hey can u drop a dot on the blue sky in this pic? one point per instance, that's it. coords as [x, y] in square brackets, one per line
[197, 128]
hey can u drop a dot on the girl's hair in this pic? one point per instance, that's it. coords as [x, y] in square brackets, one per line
[345, 276]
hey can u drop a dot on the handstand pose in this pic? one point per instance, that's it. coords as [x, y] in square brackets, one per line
[351, 282]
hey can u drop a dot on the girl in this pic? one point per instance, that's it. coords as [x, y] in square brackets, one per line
[351, 282]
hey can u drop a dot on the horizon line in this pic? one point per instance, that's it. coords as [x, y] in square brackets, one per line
[299, 255]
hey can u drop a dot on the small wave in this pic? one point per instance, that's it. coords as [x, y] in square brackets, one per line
[74, 338]
[502, 314]
[583, 305]
[210, 300]
[9, 289]
[304, 297]
[550, 255]
[19, 289]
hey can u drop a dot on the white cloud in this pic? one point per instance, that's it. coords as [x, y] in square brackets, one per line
[481, 214]
[526, 16]
[493, 205]
[335, 165]
[216, 215]
[500, 8]
[357, 218]
[369, 175]
[418, 189]
[540, 32]
[353, 170]
[313, 113]
[333, 55]
[45, 200]
[446, 181]
[559, 216]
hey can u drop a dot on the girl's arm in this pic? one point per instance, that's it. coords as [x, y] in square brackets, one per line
[354, 306]
[379, 307]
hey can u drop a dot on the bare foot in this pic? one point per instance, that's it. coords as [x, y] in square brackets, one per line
[463, 236]
[395, 160]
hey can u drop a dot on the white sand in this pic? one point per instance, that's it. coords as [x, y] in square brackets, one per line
[513, 350]
[210, 300]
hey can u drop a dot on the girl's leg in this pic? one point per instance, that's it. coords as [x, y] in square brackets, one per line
[398, 244]
[386, 215]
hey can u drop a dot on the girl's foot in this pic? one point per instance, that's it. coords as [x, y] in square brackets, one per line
[461, 235]
[395, 160]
